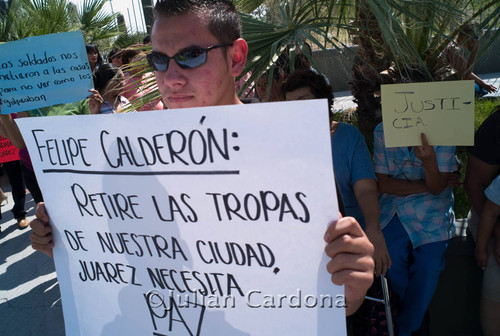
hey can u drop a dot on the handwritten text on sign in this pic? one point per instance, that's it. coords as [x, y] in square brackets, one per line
[8, 152]
[444, 111]
[43, 71]
[194, 221]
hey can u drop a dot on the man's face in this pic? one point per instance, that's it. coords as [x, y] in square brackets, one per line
[209, 84]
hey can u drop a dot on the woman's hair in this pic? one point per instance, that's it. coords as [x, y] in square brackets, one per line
[104, 74]
[307, 78]
[115, 52]
[93, 48]
[129, 53]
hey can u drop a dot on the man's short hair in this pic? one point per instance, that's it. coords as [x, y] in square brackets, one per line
[223, 19]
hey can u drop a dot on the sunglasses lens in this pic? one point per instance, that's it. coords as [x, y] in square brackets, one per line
[158, 62]
[189, 59]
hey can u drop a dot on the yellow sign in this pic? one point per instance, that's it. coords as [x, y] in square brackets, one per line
[444, 111]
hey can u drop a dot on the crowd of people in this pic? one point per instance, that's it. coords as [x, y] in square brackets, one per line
[397, 207]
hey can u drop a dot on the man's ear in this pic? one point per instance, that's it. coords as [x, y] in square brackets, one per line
[238, 56]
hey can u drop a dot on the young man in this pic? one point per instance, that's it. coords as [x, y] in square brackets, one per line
[197, 53]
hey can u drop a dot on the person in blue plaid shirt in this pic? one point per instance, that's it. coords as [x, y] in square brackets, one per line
[417, 220]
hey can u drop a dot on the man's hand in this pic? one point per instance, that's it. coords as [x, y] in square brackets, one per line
[381, 255]
[41, 234]
[351, 261]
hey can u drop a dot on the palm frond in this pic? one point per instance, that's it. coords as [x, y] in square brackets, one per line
[96, 24]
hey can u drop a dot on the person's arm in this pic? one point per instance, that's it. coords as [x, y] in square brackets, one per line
[399, 187]
[405, 187]
[351, 261]
[458, 62]
[489, 216]
[477, 178]
[3, 131]
[473, 46]
[12, 131]
[365, 191]
[464, 67]
[386, 183]
[488, 87]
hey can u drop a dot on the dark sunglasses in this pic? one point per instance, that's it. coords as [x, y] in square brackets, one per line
[187, 59]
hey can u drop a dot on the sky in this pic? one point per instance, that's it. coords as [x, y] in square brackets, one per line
[121, 6]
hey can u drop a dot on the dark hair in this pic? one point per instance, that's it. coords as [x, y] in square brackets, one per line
[146, 39]
[307, 78]
[115, 52]
[130, 53]
[93, 48]
[104, 74]
[223, 19]
[301, 60]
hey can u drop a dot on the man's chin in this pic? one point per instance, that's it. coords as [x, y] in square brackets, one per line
[183, 102]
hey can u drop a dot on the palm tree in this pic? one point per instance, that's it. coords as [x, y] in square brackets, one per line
[7, 22]
[45, 16]
[33, 17]
[293, 24]
[39, 17]
[94, 23]
[407, 34]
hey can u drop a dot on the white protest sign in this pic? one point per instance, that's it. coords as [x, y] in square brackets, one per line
[205, 221]
[45, 70]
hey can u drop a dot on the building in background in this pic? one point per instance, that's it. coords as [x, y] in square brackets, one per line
[147, 8]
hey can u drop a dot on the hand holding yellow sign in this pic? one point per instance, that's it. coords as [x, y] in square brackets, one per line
[444, 111]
